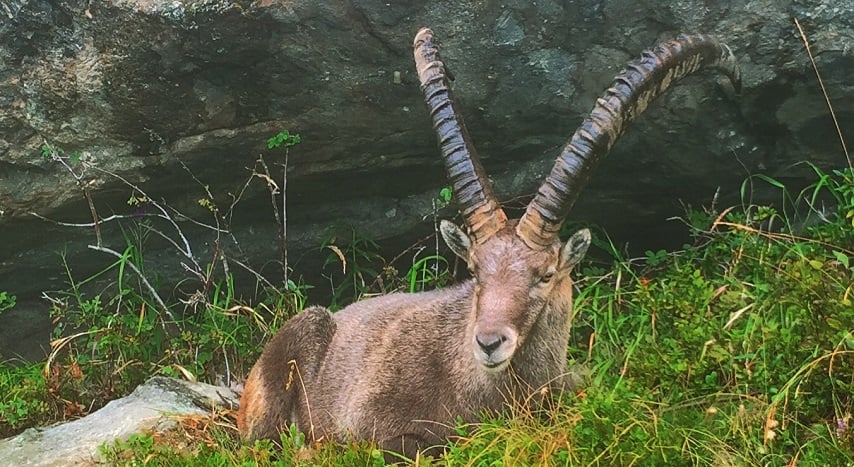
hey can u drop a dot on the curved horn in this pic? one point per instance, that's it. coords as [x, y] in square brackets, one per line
[629, 95]
[477, 202]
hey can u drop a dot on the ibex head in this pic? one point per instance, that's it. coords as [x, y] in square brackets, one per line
[521, 267]
[513, 285]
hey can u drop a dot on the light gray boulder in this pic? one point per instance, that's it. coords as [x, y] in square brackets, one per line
[153, 406]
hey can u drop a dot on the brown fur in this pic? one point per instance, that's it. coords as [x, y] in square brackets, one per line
[401, 368]
[274, 393]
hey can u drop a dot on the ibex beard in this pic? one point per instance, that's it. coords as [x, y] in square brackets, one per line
[401, 369]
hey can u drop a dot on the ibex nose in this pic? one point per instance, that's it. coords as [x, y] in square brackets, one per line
[489, 342]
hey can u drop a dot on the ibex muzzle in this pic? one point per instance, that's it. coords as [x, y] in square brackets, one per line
[401, 369]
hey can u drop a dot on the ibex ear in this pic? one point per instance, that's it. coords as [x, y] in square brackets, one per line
[456, 239]
[575, 249]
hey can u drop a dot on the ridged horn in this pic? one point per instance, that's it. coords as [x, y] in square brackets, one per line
[472, 190]
[629, 95]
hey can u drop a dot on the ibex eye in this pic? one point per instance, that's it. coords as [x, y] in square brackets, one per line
[547, 277]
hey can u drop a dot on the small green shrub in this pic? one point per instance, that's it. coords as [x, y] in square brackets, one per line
[7, 301]
[24, 398]
[284, 139]
[359, 260]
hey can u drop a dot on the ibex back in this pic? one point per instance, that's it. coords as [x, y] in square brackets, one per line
[402, 368]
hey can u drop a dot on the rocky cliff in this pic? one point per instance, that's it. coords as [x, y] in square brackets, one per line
[176, 96]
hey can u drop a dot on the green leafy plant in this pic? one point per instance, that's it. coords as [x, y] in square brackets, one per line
[654, 258]
[428, 273]
[445, 196]
[283, 139]
[51, 151]
[359, 260]
[24, 398]
[7, 301]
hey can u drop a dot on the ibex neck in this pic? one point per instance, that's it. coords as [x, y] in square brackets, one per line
[541, 360]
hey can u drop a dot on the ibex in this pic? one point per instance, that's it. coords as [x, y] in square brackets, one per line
[401, 369]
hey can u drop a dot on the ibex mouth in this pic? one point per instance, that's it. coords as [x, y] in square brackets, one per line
[494, 349]
[494, 367]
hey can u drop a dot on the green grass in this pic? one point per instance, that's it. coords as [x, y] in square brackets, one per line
[736, 350]
[24, 398]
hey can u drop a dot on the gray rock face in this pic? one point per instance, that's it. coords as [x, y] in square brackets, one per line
[140, 87]
[153, 406]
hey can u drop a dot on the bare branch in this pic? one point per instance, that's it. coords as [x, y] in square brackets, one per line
[186, 249]
[145, 282]
[104, 220]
